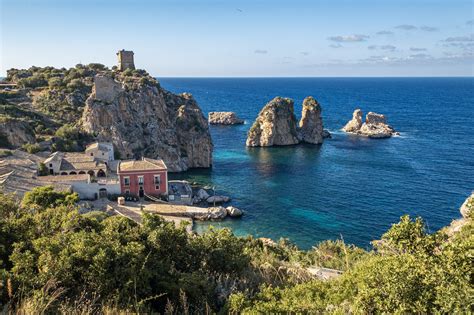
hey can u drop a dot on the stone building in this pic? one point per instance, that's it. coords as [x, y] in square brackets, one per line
[67, 163]
[125, 60]
[103, 151]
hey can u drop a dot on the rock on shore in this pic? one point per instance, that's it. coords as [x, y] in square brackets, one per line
[144, 119]
[224, 118]
[276, 124]
[375, 125]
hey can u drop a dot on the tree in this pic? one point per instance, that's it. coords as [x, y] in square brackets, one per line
[46, 196]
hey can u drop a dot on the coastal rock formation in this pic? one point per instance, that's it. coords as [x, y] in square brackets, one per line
[466, 210]
[467, 207]
[355, 123]
[375, 125]
[275, 125]
[234, 212]
[224, 118]
[311, 123]
[212, 213]
[142, 119]
[217, 199]
[15, 132]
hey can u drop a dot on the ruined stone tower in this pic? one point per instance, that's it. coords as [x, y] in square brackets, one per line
[125, 60]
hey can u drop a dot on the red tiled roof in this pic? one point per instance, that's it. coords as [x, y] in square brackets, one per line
[144, 164]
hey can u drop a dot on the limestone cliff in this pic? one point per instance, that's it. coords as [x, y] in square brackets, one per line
[275, 125]
[375, 125]
[311, 123]
[141, 118]
[15, 133]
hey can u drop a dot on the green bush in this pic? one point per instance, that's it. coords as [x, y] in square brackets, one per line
[55, 82]
[5, 153]
[35, 81]
[42, 169]
[31, 148]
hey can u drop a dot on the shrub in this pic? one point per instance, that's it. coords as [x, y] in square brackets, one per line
[75, 84]
[42, 169]
[35, 81]
[46, 196]
[55, 82]
[31, 148]
[5, 153]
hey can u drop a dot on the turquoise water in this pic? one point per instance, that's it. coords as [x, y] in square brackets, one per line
[350, 186]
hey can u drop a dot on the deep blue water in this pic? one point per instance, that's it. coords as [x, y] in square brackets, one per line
[349, 186]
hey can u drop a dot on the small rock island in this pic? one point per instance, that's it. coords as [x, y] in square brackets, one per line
[276, 124]
[375, 125]
[224, 118]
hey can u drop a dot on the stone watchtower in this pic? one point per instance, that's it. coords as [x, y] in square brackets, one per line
[125, 60]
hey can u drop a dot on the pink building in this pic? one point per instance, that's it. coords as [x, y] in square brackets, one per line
[143, 177]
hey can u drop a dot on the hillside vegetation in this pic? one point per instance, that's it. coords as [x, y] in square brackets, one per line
[47, 99]
[55, 260]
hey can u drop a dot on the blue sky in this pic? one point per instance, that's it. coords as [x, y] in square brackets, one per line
[244, 38]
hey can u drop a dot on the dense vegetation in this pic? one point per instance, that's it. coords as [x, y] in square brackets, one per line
[53, 259]
[48, 99]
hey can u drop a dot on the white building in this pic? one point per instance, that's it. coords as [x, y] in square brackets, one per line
[103, 151]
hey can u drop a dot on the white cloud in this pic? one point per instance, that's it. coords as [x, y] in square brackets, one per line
[428, 28]
[304, 53]
[349, 38]
[384, 32]
[336, 46]
[382, 47]
[417, 49]
[470, 22]
[406, 27]
[261, 51]
[460, 39]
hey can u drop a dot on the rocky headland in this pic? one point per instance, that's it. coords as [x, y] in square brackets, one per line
[276, 124]
[64, 109]
[375, 125]
[224, 118]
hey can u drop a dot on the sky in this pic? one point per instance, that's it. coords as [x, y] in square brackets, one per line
[247, 38]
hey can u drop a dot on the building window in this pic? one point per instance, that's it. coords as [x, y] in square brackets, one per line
[157, 181]
[92, 154]
[141, 180]
[50, 164]
[127, 192]
[126, 181]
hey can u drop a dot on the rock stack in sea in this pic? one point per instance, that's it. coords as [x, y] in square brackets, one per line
[276, 124]
[375, 125]
[224, 118]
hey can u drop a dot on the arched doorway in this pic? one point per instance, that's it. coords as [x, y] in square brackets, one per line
[82, 172]
[63, 173]
[102, 193]
[91, 173]
[141, 192]
[100, 173]
[72, 173]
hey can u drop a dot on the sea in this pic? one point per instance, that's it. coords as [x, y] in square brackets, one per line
[350, 187]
